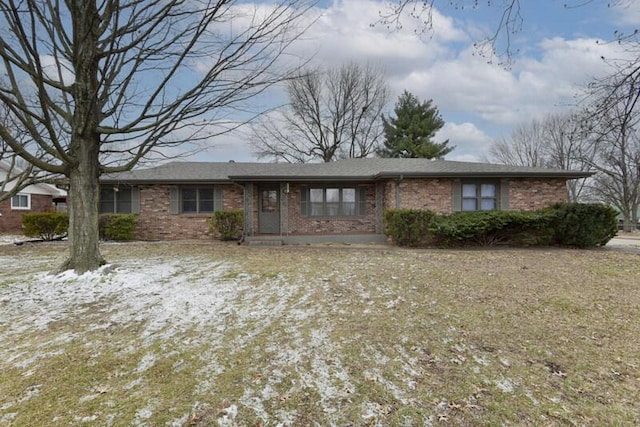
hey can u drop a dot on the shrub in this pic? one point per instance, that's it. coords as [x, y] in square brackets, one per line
[46, 225]
[487, 228]
[119, 227]
[408, 227]
[228, 224]
[583, 224]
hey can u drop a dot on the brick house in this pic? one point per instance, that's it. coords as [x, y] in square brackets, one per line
[340, 201]
[31, 199]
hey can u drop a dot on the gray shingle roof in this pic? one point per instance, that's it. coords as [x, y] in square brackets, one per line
[348, 169]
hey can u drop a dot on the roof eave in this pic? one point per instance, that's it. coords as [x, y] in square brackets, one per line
[565, 175]
[164, 181]
[300, 178]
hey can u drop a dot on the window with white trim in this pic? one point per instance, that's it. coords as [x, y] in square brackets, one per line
[21, 202]
[479, 196]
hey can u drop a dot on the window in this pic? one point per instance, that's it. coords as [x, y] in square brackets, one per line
[21, 201]
[269, 203]
[333, 201]
[115, 200]
[196, 200]
[479, 196]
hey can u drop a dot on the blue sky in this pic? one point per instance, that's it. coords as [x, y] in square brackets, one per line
[559, 51]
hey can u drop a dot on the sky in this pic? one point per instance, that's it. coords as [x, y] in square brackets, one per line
[557, 51]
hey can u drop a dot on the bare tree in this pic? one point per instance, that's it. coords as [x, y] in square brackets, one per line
[559, 141]
[101, 85]
[498, 43]
[331, 114]
[570, 146]
[525, 146]
[616, 118]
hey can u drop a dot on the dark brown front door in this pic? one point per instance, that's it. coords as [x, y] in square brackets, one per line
[269, 210]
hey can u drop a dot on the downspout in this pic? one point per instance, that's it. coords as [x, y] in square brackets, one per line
[246, 217]
[286, 190]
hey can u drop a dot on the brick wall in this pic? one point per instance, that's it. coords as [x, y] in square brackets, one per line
[435, 194]
[11, 219]
[156, 222]
[432, 194]
[534, 194]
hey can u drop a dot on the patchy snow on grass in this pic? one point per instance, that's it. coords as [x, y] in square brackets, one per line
[192, 299]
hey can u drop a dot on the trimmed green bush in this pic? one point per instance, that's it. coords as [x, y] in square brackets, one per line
[46, 225]
[408, 227]
[228, 224]
[488, 228]
[583, 225]
[118, 227]
[567, 224]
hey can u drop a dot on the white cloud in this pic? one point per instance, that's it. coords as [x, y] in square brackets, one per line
[344, 32]
[471, 143]
[57, 69]
[626, 12]
[478, 101]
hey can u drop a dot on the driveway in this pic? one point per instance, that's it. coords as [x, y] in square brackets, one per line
[627, 243]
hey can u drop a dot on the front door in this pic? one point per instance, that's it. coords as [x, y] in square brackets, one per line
[269, 210]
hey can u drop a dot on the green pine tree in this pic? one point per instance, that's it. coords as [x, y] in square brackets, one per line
[410, 133]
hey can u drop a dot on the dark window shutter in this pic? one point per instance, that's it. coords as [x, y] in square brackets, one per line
[174, 198]
[135, 200]
[456, 195]
[304, 201]
[504, 194]
[362, 201]
[218, 203]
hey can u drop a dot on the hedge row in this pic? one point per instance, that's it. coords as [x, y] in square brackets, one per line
[565, 224]
[51, 225]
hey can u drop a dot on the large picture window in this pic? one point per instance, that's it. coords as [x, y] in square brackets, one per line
[115, 200]
[333, 201]
[479, 196]
[21, 201]
[197, 200]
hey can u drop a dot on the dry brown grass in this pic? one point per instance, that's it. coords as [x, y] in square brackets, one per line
[340, 335]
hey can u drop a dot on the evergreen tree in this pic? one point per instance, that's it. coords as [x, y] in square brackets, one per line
[410, 133]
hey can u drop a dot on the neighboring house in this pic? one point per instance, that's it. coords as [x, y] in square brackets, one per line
[34, 198]
[340, 201]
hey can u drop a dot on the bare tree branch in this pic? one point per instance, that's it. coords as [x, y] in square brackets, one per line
[98, 86]
[331, 114]
[499, 42]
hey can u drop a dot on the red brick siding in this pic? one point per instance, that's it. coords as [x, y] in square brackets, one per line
[435, 194]
[432, 194]
[156, 222]
[11, 219]
[533, 194]
[302, 225]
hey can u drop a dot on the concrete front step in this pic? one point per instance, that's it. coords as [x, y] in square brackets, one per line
[266, 242]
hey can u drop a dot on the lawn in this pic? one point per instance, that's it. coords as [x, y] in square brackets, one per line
[196, 334]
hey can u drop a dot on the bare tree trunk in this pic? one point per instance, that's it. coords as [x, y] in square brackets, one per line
[84, 171]
[84, 193]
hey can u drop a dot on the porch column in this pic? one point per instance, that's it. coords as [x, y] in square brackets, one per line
[248, 209]
[284, 208]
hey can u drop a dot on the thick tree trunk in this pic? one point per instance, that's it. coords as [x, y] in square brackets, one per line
[84, 169]
[84, 193]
